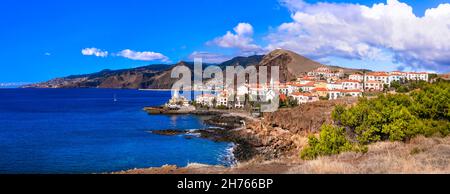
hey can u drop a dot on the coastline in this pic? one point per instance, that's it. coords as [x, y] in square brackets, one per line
[259, 142]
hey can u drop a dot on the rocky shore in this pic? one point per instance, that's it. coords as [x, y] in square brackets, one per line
[273, 137]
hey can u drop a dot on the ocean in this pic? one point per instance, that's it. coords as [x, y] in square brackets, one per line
[86, 131]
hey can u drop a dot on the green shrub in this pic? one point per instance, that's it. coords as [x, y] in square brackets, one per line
[332, 141]
[399, 117]
[391, 117]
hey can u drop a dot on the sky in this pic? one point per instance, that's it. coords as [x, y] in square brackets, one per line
[40, 40]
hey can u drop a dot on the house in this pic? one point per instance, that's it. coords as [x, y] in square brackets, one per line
[239, 102]
[322, 92]
[303, 98]
[222, 99]
[357, 77]
[417, 76]
[284, 89]
[305, 80]
[334, 86]
[205, 99]
[307, 87]
[177, 101]
[320, 84]
[397, 76]
[292, 87]
[352, 93]
[350, 84]
[325, 73]
[382, 77]
[334, 94]
[374, 86]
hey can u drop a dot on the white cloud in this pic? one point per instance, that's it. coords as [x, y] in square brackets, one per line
[241, 38]
[208, 57]
[47, 54]
[143, 56]
[367, 32]
[94, 52]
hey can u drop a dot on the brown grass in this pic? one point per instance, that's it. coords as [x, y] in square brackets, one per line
[420, 155]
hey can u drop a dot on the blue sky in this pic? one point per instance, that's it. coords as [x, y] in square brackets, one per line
[44, 39]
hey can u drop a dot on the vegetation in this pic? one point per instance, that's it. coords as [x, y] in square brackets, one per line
[394, 117]
[405, 86]
[332, 141]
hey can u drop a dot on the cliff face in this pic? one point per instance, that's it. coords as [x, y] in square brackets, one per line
[291, 66]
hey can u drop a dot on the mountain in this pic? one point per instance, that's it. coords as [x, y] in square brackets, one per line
[158, 76]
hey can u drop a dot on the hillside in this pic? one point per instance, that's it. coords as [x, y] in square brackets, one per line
[157, 76]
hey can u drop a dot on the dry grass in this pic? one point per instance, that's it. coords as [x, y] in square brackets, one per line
[420, 155]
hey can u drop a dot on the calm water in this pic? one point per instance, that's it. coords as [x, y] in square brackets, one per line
[85, 131]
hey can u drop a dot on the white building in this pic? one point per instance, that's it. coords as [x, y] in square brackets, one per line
[205, 99]
[350, 84]
[417, 76]
[334, 94]
[374, 86]
[352, 93]
[325, 72]
[357, 77]
[382, 77]
[303, 98]
[222, 99]
[334, 86]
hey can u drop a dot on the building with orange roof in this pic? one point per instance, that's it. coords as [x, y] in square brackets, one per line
[357, 77]
[374, 86]
[325, 73]
[322, 92]
[382, 77]
[350, 84]
[303, 97]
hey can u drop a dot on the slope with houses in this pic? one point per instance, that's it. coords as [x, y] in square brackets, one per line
[321, 83]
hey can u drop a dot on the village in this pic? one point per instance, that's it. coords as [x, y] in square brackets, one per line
[323, 83]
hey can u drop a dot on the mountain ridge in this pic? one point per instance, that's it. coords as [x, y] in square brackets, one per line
[158, 76]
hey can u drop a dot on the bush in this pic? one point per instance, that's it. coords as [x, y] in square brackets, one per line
[332, 141]
[398, 117]
[391, 117]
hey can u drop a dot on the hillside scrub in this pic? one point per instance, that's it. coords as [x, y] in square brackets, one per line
[394, 117]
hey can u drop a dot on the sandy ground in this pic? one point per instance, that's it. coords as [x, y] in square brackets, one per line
[420, 155]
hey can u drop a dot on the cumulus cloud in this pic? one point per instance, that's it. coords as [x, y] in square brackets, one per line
[208, 57]
[94, 52]
[367, 32]
[143, 56]
[241, 38]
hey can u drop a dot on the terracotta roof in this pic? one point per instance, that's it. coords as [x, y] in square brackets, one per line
[378, 74]
[310, 84]
[301, 94]
[321, 89]
[417, 73]
[348, 80]
[373, 82]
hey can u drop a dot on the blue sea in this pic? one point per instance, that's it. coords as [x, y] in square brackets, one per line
[86, 131]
